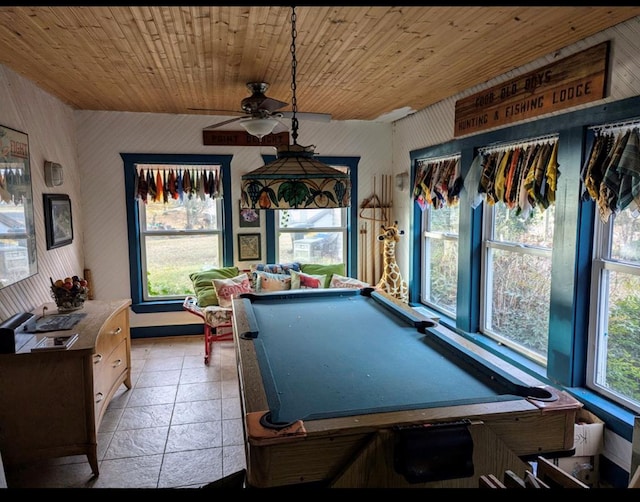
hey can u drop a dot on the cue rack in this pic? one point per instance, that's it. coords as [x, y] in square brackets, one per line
[375, 211]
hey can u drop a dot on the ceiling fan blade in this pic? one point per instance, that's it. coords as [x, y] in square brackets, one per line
[316, 117]
[215, 111]
[272, 104]
[219, 124]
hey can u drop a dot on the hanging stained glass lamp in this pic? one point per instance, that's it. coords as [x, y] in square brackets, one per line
[296, 179]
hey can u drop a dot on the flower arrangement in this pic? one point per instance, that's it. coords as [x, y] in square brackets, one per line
[69, 293]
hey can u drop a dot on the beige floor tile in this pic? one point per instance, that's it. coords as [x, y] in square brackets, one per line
[188, 468]
[132, 472]
[158, 378]
[152, 395]
[200, 374]
[232, 432]
[189, 412]
[137, 443]
[231, 408]
[163, 363]
[194, 361]
[198, 391]
[144, 417]
[233, 459]
[111, 418]
[194, 436]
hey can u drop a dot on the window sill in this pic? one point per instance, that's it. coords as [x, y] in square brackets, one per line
[158, 306]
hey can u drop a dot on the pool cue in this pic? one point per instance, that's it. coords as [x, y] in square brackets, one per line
[373, 237]
[361, 268]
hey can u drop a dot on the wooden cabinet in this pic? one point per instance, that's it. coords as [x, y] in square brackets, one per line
[52, 402]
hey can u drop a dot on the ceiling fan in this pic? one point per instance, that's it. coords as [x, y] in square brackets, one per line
[261, 114]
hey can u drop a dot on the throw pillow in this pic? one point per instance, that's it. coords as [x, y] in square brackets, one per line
[339, 281]
[272, 282]
[272, 268]
[326, 270]
[203, 285]
[228, 288]
[300, 280]
[277, 268]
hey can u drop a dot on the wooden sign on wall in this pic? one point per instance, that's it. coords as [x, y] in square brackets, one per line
[243, 138]
[572, 81]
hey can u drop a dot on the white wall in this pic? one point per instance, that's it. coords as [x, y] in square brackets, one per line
[103, 136]
[51, 130]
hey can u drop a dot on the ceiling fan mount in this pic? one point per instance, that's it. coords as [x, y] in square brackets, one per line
[258, 103]
[258, 106]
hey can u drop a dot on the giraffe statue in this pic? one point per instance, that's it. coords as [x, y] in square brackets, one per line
[391, 281]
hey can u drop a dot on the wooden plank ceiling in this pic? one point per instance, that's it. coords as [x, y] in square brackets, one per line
[352, 62]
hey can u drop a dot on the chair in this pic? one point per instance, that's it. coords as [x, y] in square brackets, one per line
[217, 323]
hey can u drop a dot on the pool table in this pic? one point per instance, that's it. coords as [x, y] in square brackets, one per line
[351, 387]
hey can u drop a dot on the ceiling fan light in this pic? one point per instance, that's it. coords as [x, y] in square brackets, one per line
[259, 127]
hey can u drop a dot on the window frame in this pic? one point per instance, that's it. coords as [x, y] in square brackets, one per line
[489, 244]
[429, 235]
[342, 229]
[602, 264]
[144, 234]
[136, 277]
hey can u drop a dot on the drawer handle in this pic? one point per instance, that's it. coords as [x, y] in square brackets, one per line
[117, 363]
[99, 397]
[117, 331]
[97, 358]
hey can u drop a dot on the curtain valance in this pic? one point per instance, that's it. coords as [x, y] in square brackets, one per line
[522, 175]
[160, 183]
[437, 182]
[611, 172]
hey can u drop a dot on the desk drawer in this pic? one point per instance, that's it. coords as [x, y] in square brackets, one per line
[112, 333]
[106, 373]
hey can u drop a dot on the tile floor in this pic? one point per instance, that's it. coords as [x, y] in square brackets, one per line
[178, 427]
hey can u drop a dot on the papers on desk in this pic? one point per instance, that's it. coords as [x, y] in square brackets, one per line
[53, 342]
[59, 322]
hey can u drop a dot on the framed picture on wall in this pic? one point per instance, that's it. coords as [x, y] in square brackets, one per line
[58, 221]
[249, 218]
[249, 248]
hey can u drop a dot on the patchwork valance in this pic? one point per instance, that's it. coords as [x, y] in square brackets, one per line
[611, 172]
[159, 183]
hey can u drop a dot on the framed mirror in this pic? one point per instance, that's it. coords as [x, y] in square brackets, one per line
[17, 229]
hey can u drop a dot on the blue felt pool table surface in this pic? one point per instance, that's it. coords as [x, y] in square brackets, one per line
[335, 353]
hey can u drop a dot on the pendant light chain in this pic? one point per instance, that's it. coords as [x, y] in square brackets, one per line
[294, 65]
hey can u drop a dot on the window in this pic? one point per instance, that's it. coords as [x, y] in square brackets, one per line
[169, 225]
[518, 184]
[311, 235]
[614, 358]
[436, 191]
[177, 223]
[517, 278]
[439, 288]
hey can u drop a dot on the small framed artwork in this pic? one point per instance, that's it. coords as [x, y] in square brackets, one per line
[58, 221]
[249, 248]
[249, 218]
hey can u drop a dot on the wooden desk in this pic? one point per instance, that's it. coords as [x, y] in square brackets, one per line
[53, 401]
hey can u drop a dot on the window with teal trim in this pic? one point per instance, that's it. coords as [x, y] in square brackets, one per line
[177, 222]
